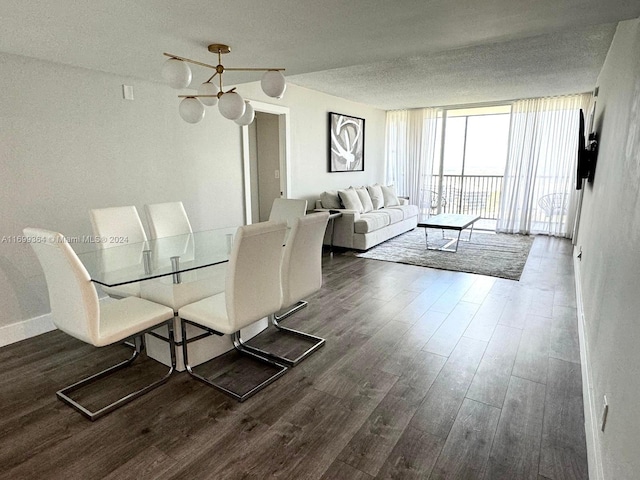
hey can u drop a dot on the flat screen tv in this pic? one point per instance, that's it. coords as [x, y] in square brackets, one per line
[582, 169]
[586, 155]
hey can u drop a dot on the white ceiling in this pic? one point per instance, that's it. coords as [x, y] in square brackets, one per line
[391, 54]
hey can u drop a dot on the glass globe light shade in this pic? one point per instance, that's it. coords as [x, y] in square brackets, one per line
[208, 88]
[176, 73]
[273, 83]
[231, 105]
[249, 114]
[191, 110]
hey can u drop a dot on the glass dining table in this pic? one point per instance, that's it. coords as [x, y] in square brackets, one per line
[162, 257]
[172, 271]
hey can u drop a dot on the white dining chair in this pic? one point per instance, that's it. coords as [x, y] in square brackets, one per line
[301, 275]
[76, 311]
[167, 219]
[252, 292]
[287, 210]
[118, 226]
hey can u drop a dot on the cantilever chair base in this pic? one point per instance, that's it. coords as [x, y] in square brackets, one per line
[241, 347]
[291, 362]
[139, 346]
[294, 309]
[301, 273]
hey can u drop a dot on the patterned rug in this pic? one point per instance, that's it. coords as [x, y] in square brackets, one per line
[496, 255]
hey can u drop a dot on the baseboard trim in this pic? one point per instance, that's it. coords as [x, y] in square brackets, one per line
[31, 327]
[591, 422]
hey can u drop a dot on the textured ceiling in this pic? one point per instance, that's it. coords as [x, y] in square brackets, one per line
[392, 54]
[543, 65]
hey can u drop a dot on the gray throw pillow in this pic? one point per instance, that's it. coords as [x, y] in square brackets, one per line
[330, 199]
[390, 197]
[365, 199]
[375, 192]
[351, 200]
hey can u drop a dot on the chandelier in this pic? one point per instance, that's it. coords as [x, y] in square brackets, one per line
[177, 73]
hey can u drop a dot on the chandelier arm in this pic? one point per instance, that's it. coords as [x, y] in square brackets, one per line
[191, 111]
[253, 69]
[188, 60]
[214, 67]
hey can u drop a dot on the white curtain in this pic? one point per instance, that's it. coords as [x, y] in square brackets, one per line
[411, 146]
[539, 193]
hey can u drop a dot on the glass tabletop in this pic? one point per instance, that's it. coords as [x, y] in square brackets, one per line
[134, 262]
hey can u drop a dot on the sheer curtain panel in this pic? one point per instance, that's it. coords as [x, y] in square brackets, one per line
[539, 193]
[411, 146]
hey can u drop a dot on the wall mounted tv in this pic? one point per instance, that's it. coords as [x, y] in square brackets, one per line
[587, 155]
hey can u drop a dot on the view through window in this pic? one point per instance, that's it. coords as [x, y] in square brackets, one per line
[468, 177]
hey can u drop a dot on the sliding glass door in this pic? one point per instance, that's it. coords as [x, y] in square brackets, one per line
[468, 171]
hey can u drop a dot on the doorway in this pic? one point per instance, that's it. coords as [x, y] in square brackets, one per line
[265, 156]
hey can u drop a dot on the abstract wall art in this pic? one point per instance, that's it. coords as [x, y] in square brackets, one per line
[346, 143]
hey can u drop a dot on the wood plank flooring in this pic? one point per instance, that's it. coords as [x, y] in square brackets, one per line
[426, 374]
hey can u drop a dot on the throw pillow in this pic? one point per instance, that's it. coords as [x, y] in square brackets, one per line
[330, 199]
[351, 200]
[390, 197]
[375, 192]
[365, 199]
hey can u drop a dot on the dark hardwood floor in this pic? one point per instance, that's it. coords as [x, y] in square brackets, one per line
[426, 374]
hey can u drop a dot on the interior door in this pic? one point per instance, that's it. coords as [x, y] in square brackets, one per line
[268, 162]
[272, 176]
[265, 169]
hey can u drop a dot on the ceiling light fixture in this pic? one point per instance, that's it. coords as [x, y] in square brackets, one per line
[177, 73]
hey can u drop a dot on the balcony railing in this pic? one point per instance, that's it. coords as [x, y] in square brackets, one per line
[468, 194]
[480, 195]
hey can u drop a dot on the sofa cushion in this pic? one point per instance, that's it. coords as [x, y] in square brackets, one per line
[395, 215]
[330, 199]
[351, 200]
[390, 196]
[375, 192]
[408, 211]
[367, 205]
[369, 222]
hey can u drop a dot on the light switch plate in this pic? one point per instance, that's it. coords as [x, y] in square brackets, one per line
[127, 92]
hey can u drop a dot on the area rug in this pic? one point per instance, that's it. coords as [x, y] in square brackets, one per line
[496, 255]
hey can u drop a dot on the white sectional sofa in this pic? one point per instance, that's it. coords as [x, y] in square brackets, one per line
[377, 217]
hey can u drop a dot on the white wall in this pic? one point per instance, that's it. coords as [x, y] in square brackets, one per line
[610, 268]
[309, 112]
[69, 142]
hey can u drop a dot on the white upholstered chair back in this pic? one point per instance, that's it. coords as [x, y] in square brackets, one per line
[287, 210]
[167, 219]
[252, 289]
[119, 227]
[117, 222]
[72, 296]
[302, 259]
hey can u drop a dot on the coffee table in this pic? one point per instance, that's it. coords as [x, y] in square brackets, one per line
[448, 221]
